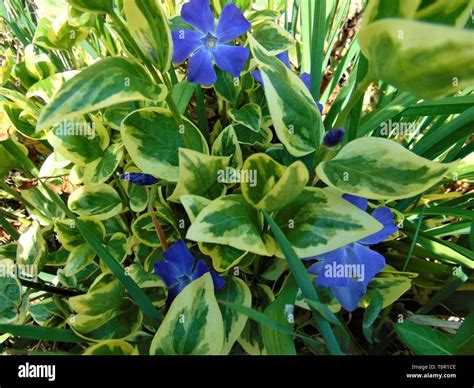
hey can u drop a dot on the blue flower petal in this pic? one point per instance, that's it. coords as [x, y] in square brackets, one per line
[334, 137]
[185, 43]
[198, 13]
[385, 216]
[231, 24]
[360, 202]
[138, 178]
[201, 69]
[257, 76]
[285, 58]
[177, 272]
[350, 296]
[306, 78]
[231, 58]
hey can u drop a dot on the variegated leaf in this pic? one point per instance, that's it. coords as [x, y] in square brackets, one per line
[153, 138]
[120, 322]
[227, 144]
[144, 229]
[148, 25]
[151, 284]
[103, 295]
[223, 257]
[193, 324]
[78, 259]
[32, 248]
[107, 82]
[199, 175]
[235, 291]
[294, 113]
[276, 185]
[272, 37]
[446, 54]
[98, 201]
[250, 115]
[230, 220]
[6, 66]
[76, 140]
[70, 237]
[378, 168]
[100, 170]
[246, 136]
[111, 348]
[320, 221]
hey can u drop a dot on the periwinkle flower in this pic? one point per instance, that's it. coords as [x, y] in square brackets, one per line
[139, 178]
[349, 289]
[334, 137]
[207, 43]
[178, 270]
[305, 77]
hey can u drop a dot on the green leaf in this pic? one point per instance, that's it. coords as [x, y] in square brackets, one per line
[199, 174]
[99, 201]
[229, 220]
[249, 137]
[227, 87]
[425, 341]
[448, 12]
[235, 291]
[153, 139]
[371, 314]
[107, 82]
[272, 37]
[41, 333]
[275, 185]
[465, 336]
[96, 6]
[378, 168]
[148, 24]
[59, 33]
[275, 342]
[320, 221]
[294, 113]
[250, 115]
[446, 54]
[193, 324]
[6, 67]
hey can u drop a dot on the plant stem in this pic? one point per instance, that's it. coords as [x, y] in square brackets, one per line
[44, 287]
[159, 230]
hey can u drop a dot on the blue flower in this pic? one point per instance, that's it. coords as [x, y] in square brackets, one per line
[207, 42]
[334, 137]
[177, 269]
[349, 270]
[305, 77]
[139, 178]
